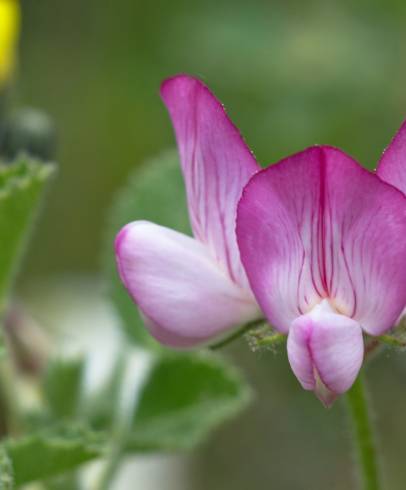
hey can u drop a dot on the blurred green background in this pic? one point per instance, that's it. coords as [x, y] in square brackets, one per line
[291, 74]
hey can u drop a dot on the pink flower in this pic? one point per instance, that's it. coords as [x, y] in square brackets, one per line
[323, 243]
[193, 290]
[392, 166]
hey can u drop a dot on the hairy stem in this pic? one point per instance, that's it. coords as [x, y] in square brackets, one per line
[272, 340]
[392, 341]
[363, 437]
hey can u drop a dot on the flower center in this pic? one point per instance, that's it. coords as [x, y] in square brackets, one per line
[328, 305]
[325, 306]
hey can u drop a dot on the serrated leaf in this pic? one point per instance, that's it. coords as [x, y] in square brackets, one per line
[63, 386]
[6, 471]
[154, 192]
[183, 399]
[21, 186]
[52, 452]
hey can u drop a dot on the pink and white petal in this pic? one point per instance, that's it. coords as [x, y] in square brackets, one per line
[216, 165]
[186, 298]
[325, 351]
[317, 225]
[392, 166]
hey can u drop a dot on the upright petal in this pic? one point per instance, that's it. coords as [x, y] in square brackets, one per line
[325, 351]
[185, 297]
[392, 166]
[317, 225]
[216, 164]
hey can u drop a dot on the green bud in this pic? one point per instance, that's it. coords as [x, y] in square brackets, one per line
[30, 131]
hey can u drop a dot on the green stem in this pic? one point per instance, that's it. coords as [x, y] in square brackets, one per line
[271, 340]
[363, 436]
[392, 341]
[9, 406]
[122, 427]
[112, 464]
[239, 333]
[10, 410]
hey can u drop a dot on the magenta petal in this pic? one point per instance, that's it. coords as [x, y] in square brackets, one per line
[186, 298]
[392, 166]
[216, 164]
[317, 225]
[325, 352]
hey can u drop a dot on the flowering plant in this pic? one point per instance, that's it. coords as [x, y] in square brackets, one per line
[204, 247]
[314, 242]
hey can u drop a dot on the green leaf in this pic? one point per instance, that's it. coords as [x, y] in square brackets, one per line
[21, 186]
[6, 471]
[183, 399]
[154, 192]
[63, 386]
[52, 452]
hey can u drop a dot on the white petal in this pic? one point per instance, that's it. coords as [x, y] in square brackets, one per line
[187, 298]
[325, 351]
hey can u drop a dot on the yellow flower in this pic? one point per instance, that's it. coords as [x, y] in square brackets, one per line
[9, 31]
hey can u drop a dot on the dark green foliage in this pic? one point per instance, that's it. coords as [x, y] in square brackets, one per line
[185, 396]
[51, 452]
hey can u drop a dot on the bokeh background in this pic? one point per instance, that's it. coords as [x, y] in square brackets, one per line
[291, 74]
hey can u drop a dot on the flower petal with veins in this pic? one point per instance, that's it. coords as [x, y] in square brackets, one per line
[392, 166]
[317, 225]
[216, 164]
